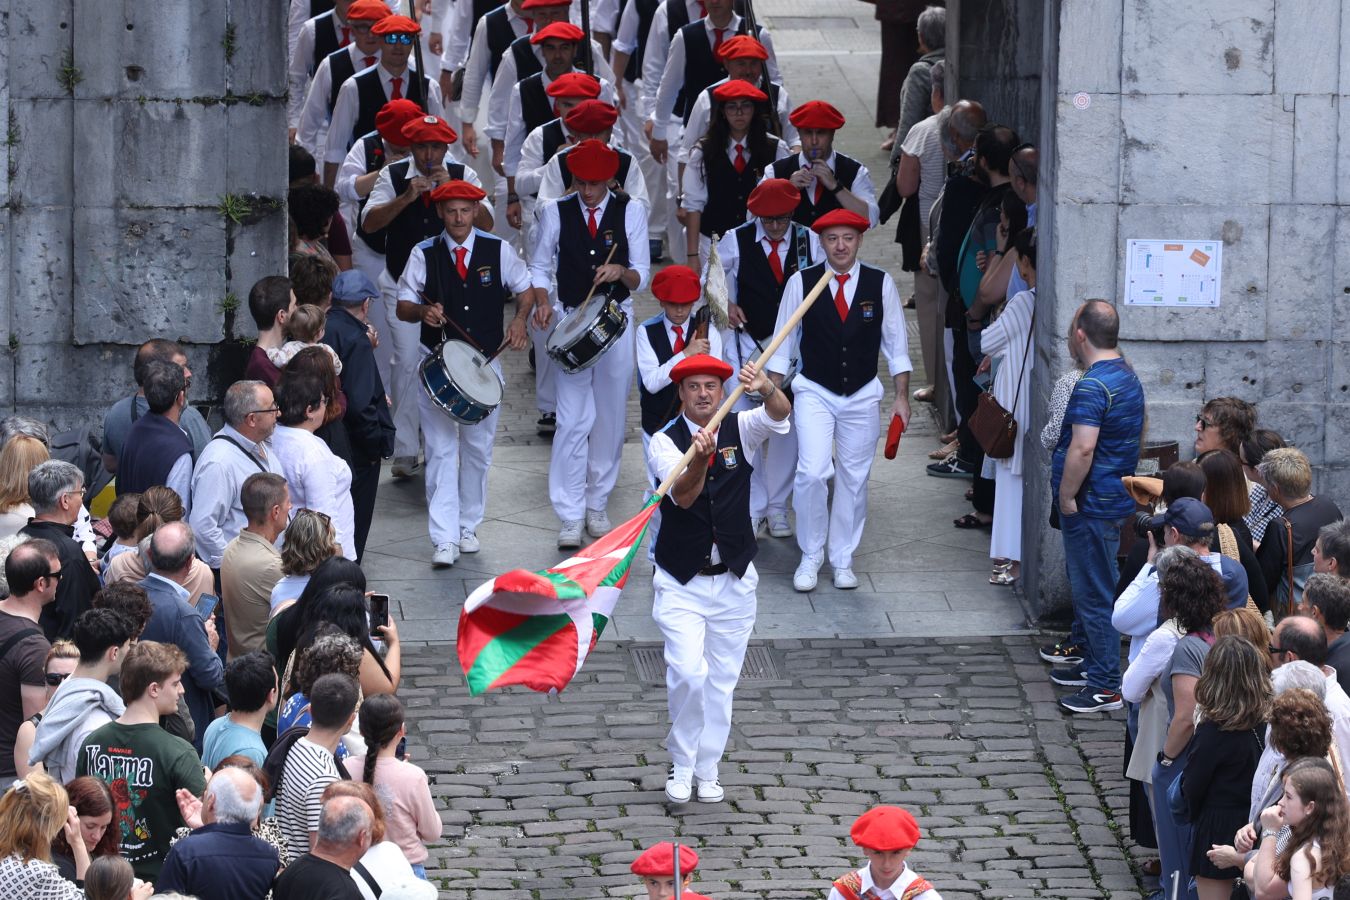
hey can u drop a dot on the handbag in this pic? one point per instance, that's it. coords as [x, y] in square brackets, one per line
[993, 426]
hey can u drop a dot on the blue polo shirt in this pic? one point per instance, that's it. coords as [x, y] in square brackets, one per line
[219, 862]
[1110, 398]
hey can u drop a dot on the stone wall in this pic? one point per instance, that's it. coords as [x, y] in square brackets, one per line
[146, 167]
[1207, 119]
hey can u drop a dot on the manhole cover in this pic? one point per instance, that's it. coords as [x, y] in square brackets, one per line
[809, 23]
[758, 666]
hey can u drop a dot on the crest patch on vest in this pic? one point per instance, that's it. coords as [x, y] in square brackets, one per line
[608, 237]
[485, 275]
[868, 309]
[729, 459]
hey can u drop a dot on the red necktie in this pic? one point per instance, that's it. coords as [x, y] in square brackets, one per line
[460, 265]
[820, 189]
[717, 39]
[739, 162]
[370, 61]
[840, 304]
[679, 337]
[590, 219]
[529, 25]
[346, 35]
[775, 265]
[396, 93]
[702, 9]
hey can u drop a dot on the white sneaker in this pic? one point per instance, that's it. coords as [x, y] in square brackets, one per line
[680, 784]
[758, 526]
[597, 522]
[710, 791]
[445, 556]
[468, 541]
[779, 526]
[804, 579]
[569, 538]
[845, 580]
[404, 467]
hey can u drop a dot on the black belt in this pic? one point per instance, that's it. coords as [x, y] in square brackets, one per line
[710, 570]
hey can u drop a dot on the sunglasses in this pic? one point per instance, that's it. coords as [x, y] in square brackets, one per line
[392, 39]
[1203, 422]
[1276, 651]
[55, 678]
[322, 516]
[54, 576]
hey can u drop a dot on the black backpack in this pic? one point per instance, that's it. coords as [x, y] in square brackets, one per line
[275, 763]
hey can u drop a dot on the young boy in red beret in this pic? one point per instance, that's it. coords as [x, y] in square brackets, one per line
[886, 835]
[655, 867]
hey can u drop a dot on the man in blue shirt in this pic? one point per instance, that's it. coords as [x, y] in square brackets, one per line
[221, 859]
[1099, 445]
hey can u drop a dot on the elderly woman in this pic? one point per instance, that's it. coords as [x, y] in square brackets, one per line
[917, 87]
[1288, 478]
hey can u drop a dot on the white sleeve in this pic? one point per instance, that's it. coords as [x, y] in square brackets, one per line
[298, 74]
[550, 185]
[1135, 612]
[530, 163]
[1149, 665]
[695, 128]
[179, 480]
[662, 456]
[767, 40]
[757, 426]
[626, 40]
[342, 121]
[639, 251]
[672, 79]
[500, 98]
[435, 106]
[894, 337]
[353, 167]
[314, 111]
[514, 134]
[295, 20]
[544, 253]
[864, 191]
[729, 251]
[603, 70]
[635, 185]
[514, 271]
[457, 28]
[790, 135]
[654, 62]
[792, 298]
[694, 186]
[382, 193]
[475, 74]
[605, 16]
[653, 374]
[414, 279]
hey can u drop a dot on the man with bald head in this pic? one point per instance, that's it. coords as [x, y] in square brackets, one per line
[1301, 638]
[345, 827]
[221, 859]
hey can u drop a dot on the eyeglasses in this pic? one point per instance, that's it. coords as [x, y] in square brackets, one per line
[259, 412]
[79, 491]
[322, 516]
[54, 576]
[55, 678]
[1203, 422]
[398, 39]
[1276, 651]
[775, 220]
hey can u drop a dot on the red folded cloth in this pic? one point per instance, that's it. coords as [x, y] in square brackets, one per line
[893, 436]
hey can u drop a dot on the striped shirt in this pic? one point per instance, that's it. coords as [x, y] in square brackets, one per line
[308, 771]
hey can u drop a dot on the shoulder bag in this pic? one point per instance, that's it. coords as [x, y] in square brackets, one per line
[993, 426]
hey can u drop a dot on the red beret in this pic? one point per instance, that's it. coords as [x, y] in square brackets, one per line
[558, 31]
[735, 89]
[391, 118]
[885, 828]
[742, 46]
[659, 859]
[837, 218]
[676, 284]
[574, 84]
[592, 160]
[817, 114]
[367, 11]
[395, 25]
[773, 197]
[535, 4]
[428, 130]
[591, 117]
[702, 364]
[458, 189]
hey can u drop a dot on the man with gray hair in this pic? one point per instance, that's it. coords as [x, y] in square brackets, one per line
[1299, 641]
[176, 621]
[345, 827]
[221, 859]
[56, 491]
[240, 448]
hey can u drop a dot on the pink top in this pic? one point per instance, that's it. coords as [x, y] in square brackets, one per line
[410, 815]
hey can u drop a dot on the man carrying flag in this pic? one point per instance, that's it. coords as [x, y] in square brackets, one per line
[705, 577]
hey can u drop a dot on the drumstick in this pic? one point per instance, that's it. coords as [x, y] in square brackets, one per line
[613, 247]
[455, 325]
[793, 321]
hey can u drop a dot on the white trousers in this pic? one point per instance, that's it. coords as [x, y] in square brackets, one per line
[776, 466]
[1006, 540]
[635, 142]
[458, 457]
[406, 341]
[545, 370]
[372, 264]
[849, 426]
[592, 416]
[707, 625]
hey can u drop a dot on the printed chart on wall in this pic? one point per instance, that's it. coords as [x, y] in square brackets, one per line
[1173, 273]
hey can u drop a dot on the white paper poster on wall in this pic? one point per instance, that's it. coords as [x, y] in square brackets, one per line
[1173, 273]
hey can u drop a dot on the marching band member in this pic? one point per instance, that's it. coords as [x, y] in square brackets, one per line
[362, 53]
[744, 58]
[492, 34]
[316, 37]
[573, 237]
[462, 276]
[591, 120]
[664, 341]
[837, 392]
[887, 835]
[827, 180]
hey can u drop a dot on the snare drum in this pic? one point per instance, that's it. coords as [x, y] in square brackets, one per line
[579, 340]
[461, 381]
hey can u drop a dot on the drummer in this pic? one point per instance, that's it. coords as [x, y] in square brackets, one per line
[591, 239]
[461, 276]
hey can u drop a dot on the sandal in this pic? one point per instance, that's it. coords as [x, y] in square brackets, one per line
[971, 521]
[944, 451]
[1002, 577]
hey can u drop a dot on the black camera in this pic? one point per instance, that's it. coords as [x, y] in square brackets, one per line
[1146, 524]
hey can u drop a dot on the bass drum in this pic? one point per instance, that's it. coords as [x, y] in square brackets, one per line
[584, 335]
[461, 381]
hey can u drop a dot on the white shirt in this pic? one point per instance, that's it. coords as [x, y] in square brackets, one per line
[385, 861]
[455, 30]
[504, 101]
[476, 70]
[302, 65]
[348, 108]
[894, 892]
[217, 516]
[514, 135]
[530, 169]
[695, 183]
[862, 184]
[312, 127]
[894, 340]
[319, 480]
[1148, 665]
[515, 275]
[383, 194]
[544, 253]
[550, 181]
[729, 251]
[665, 124]
[179, 480]
[352, 168]
[698, 120]
[924, 143]
[1135, 614]
[655, 375]
[290, 587]
[658, 48]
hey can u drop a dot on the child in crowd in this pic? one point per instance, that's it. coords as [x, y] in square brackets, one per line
[886, 835]
[656, 868]
[1304, 847]
[410, 813]
[304, 328]
[122, 519]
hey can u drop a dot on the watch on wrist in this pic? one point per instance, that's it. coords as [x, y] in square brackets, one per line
[1164, 760]
[836, 189]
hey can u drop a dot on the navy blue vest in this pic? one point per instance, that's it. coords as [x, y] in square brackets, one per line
[720, 514]
[842, 356]
[555, 137]
[646, 13]
[658, 408]
[319, 7]
[480, 9]
[325, 38]
[474, 304]
[526, 62]
[728, 191]
[621, 176]
[373, 147]
[415, 224]
[500, 35]
[535, 106]
[370, 93]
[579, 255]
[758, 294]
[340, 68]
[846, 169]
[153, 445]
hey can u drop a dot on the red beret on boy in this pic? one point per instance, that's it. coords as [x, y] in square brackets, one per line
[458, 189]
[773, 197]
[592, 160]
[429, 130]
[700, 364]
[742, 46]
[885, 828]
[659, 859]
[574, 84]
[817, 114]
[738, 90]
[676, 284]
[395, 25]
[837, 218]
[367, 11]
[591, 117]
[558, 31]
[391, 118]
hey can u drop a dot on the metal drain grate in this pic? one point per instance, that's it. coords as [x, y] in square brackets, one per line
[759, 665]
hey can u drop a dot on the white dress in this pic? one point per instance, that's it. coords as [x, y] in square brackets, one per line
[1006, 340]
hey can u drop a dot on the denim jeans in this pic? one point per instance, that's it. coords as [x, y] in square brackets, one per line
[1090, 558]
[1174, 838]
[420, 871]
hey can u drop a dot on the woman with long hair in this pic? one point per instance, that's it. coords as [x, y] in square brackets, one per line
[1314, 858]
[344, 606]
[285, 627]
[309, 540]
[319, 480]
[20, 455]
[59, 665]
[32, 813]
[158, 506]
[1234, 697]
[93, 803]
[1227, 496]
